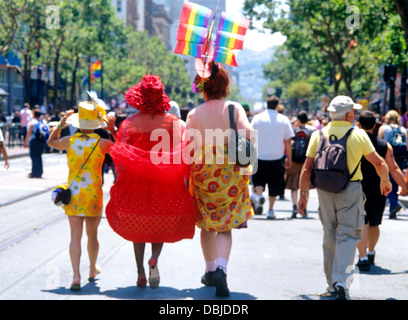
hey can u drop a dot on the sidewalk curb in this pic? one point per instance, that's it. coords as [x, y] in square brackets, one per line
[26, 196]
[20, 155]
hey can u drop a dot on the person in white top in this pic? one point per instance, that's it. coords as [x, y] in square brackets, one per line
[25, 117]
[274, 135]
[386, 132]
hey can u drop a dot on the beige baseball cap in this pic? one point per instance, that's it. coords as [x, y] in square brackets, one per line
[341, 103]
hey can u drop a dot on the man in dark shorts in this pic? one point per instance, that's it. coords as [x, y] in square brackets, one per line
[375, 201]
[274, 136]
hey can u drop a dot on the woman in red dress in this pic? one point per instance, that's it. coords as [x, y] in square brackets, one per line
[150, 201]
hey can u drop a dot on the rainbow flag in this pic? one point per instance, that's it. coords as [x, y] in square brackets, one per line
[195, 14]
[232, 24]
[96, 70]
[193, 29]
[189, 48]
[225, 56]
[229, 40]
[191, 33]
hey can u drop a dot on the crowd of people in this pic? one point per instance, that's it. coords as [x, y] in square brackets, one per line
[157, 199]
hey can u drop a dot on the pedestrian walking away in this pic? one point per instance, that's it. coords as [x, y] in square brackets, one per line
[85, 154]
[36, 139]
[375, 202]
[396, 135]
[275, 135]
[219, 188]
[150, 201]
[300, 143]
[341, 212]
[26, 115]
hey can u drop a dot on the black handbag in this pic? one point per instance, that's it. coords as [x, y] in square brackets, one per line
[241, 150]
[61, 195]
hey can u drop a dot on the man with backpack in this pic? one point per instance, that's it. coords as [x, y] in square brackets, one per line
[299, 146]
[334, 156]
[396, 136]
[36, 138]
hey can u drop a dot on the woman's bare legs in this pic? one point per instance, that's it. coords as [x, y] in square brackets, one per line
[216, 245]
[92, 224]
[156, 250]
[76, 226]
[216, 248]
[139, 249]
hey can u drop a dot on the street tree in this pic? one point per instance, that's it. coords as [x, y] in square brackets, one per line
[335, 27]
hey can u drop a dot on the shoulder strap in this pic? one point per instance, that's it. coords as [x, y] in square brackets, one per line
[346, 137]
[231, 116]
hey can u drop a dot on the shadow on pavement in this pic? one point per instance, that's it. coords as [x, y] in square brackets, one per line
[162, 293]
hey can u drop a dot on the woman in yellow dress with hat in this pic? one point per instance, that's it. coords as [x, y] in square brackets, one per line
[85, 154]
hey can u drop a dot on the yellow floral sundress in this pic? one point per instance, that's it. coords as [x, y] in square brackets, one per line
[220, 190]
[86, 191]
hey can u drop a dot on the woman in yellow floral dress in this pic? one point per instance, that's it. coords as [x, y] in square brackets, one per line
[86, 183]
[219, 187]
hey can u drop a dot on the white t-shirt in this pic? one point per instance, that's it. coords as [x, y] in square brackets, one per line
[25, 116]
[272, 129]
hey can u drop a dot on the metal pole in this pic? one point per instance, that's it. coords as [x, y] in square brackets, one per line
[89, 74]
[101, 80]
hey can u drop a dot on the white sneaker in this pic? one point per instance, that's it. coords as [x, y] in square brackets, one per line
[257, 202]
[271, 215]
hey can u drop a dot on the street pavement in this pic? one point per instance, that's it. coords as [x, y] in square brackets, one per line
[277, 259]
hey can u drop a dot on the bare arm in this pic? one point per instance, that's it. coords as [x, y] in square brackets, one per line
[105, 143]
[5, 155]
[381, 132]
[304, 184]
[382, 171]
[395, 170]
[54, 141]
[288, 148]
[29, 133]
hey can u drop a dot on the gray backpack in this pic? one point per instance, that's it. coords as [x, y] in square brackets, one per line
[330, 171]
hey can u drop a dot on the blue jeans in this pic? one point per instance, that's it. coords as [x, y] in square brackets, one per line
[393, 196]
[36, 150]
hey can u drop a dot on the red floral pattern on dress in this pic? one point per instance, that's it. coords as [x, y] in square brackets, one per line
[220, 192]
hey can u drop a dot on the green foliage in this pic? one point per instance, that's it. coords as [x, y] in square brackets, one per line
[147, 55]
[87, 30]
[335, 46]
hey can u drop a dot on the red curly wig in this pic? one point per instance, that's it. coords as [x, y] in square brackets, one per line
[217, 85]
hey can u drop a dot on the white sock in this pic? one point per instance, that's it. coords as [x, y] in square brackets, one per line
[364, 259]
[221, 263]
[209, 266]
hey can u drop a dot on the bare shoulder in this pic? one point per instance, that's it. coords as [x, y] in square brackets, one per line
[235, 104]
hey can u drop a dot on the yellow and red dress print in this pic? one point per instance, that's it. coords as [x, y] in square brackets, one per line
[220, 191]
[86, 191]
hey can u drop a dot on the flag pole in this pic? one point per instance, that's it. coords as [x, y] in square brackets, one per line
[101, 80]
[89, 73]
[210, 33]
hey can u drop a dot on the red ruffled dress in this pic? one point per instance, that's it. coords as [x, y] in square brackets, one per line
[150, 201]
